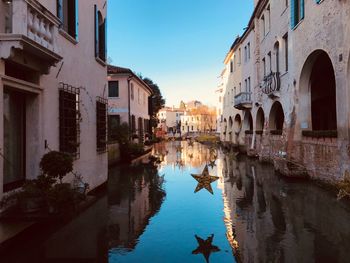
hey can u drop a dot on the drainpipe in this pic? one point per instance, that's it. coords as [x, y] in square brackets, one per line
[129, 108]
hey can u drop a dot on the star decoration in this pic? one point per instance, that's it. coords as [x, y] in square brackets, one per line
[205, 247]
[190, 143]
[190, 155]
[204, 180]
[212, 164]
[179, 148]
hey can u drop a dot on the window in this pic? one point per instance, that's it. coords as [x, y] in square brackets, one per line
[133, 124]
[245, 54]
[113, 89]
[297, 12]
[263, 25]
[67, 12]
[264, 67]
[268, 19]
[100, 35]
[231, 66]
[101, 124]
[144, 99]
[277, 56]
[132, 91]
[138, 96]
[14, 139]
[285, 40]
[248, 48]
[69, 119]
[249, 87]
[113, 124]
[239, 56]
[246, 85]
[240, 87]
[270, 62]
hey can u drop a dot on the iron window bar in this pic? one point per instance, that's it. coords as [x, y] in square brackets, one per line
[101, 124]
[271, 83]
[69, 119]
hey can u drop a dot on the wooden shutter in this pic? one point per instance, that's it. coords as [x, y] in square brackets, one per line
[302, 9]
[76, 20]
[292, 14]
[96, 31]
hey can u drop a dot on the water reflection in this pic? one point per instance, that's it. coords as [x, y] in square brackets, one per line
[254, 215]
[269, 219]
[135, 194]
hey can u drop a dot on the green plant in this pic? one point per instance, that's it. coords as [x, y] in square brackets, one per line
[56, 164]
[61, 198]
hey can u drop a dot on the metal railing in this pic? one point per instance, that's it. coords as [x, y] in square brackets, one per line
[271, 83]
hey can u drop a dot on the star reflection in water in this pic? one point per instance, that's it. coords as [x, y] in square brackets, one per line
[205, 247]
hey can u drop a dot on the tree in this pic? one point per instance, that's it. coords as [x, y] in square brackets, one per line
[157, 100]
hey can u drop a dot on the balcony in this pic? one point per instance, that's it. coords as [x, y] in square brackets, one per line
[30, 30]
[271, 84]
[243, 101]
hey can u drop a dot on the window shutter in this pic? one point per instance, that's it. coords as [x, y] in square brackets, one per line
[302, 9]
[96, 31]
[59, 10]
[292, 13]
[76, 19]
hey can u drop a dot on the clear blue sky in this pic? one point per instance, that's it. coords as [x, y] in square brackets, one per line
[179, 44]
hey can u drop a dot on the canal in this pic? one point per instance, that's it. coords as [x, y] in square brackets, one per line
[153, 214]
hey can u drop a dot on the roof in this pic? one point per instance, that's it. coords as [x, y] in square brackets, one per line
[115, 70]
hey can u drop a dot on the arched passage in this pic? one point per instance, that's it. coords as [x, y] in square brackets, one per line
[248, 121]
[276, 118]
[260, 120]
[318, 93]
[237, 123]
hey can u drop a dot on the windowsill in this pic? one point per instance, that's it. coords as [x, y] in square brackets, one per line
[297, 25]
[113, 98]
[67, 36]
[101, 62]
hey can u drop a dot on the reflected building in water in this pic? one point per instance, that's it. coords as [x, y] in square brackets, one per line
[182, 154]
[135, 195]
[271, 220]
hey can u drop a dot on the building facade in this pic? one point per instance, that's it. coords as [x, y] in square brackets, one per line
[170, 119]
[128, 101]
[52, 81]
[299, 91]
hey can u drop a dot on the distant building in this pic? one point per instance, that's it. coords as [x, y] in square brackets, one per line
[128, 101]
[170, 119]
[198, 118]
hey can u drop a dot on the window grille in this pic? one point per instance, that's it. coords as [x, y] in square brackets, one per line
[101, 124]
[69, 119]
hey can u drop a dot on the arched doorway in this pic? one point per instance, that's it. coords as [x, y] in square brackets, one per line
[276, 118]
[237, 124]
[318, 110]
[260, 120]
[248, 122]
[231, 127]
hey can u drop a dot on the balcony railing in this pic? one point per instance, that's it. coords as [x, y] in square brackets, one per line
[271, 83]
[243, 100]
[32, 28]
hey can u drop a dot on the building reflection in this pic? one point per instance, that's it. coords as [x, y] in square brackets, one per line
[182, 154]
[135, 195]
[271, 220]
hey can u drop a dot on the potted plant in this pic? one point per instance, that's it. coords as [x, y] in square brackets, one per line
[31, 198]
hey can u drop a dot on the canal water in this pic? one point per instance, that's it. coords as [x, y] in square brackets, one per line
[153, 214]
